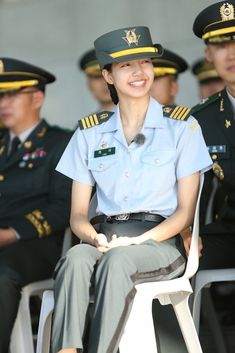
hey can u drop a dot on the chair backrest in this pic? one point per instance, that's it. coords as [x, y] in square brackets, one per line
[193, 258]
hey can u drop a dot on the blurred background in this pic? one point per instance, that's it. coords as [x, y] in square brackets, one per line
[53, 34]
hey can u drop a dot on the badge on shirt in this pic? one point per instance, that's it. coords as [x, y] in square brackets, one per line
[104, 152]
[217, 149]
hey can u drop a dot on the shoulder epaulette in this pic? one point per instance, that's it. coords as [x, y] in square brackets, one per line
[94, 119]
[176, 112]
[205, 102]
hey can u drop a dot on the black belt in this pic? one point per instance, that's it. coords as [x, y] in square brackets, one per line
[141, 216]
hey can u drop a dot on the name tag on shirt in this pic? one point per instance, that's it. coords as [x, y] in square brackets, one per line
[104, 152]
[217, 149]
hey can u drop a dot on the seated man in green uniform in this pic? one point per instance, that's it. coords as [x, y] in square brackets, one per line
[95, 81]
[166, 71]
[34, 198]
[209, 81]
[215, 25]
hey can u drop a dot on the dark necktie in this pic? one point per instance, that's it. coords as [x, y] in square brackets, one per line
[14, 146]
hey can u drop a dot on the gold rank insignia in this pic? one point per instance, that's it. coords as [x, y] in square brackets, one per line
[228, 124]
[2, 150]
[131, 37]
[28, 144]
[94, 119]
[176, 112]
[42, 132]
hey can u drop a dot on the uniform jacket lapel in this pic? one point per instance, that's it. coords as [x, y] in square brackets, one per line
[4, 142]
[32, 142]
[226, 117]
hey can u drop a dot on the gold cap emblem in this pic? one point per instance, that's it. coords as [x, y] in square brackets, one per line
[227, 11]
[131, 37]
[1, 67]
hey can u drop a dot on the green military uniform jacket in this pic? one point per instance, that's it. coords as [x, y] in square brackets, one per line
[216, 119]
[34, 198]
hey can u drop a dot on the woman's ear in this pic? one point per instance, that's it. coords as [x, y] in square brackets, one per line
[107, 76]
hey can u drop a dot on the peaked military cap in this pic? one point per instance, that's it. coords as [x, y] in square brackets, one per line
[125, 44]
[216, 23]
[204, 71]
[89, 64]
[17, 74]
[169, 64]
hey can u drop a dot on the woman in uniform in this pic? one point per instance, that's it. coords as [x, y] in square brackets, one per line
[145, 164]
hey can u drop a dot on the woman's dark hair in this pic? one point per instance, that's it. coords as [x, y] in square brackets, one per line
[112, 89]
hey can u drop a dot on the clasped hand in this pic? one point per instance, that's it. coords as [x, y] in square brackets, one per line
[103, 245]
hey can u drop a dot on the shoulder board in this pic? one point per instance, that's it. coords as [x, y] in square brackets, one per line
[94, 119]
[176, 112]
[205, 102]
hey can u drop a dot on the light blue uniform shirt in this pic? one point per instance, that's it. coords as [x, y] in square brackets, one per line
[137, 178]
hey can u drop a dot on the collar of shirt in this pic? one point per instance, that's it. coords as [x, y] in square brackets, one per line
[25, 134]
[232, 101]
[154, 118]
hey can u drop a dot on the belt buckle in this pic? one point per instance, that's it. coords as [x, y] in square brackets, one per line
[122, 217]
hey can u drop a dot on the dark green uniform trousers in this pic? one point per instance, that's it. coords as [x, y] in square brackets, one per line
[112, 276]
[20, 264]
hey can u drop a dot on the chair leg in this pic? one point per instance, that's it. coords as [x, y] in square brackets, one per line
[211, 317]
[139, 333]
[44, 328]
[196, 311]
[181, 308]
[22, 336]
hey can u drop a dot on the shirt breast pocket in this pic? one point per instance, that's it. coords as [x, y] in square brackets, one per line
[159, 169]
[103, 169]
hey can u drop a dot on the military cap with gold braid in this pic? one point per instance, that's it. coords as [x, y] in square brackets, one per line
[176, 112]
[17, 74]
[169, 64]
[94, 119]
[126, 44]
[89, 64]
[216, 23]
[204, 71]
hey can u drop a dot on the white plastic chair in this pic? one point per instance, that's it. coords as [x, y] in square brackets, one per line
[204, 279]
[139, 334]
[22, 335]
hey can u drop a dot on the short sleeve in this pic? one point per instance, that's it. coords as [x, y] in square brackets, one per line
[73, 162]
[192, 153]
